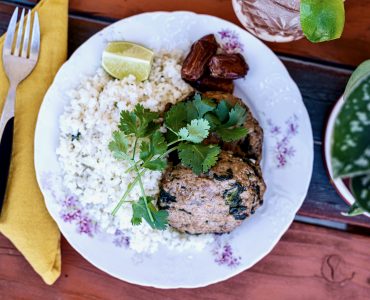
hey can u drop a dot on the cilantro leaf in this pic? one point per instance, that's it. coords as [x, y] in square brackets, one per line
[139, 122]
[183, 113]
[140, 212]
[222, 111]
[160, 219]
[119, 146]
[156, 146]
[232, 134]
[237, 116]
[155, 164]
[213, 120]
[196, 131]
[176, 117]
[200, 158]
[202, 106]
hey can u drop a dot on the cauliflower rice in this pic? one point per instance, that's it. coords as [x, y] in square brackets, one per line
[89, 170]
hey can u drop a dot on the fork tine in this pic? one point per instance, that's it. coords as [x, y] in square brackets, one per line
[35, 41]
[10, 33]
[17, 50]
[26, 35]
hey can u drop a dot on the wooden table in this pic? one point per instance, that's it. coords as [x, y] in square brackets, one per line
[310, 261]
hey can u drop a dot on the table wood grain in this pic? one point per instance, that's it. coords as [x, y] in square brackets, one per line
[309, 262]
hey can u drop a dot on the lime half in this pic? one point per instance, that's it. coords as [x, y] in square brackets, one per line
[121, 59]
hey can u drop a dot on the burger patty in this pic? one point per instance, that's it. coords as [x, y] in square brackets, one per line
[215, 202]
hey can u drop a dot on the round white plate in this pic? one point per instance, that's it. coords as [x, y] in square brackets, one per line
[343, 191]
[287, 159]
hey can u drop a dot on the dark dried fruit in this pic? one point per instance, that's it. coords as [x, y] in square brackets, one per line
[198, 58]
[228, 66]
[210, 38]
[208, 83]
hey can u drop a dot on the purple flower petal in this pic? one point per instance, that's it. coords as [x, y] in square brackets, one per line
[224, 255]
[86, 225]
[121, 239]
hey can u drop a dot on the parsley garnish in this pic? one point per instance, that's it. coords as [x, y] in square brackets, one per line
[188, 124]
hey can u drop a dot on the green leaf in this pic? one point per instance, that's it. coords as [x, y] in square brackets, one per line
[354, 210]
[237, 116]
[140, 212]
[183, 113]
[351, 139]
[202, 106]
[232, 134]
[119, 146]
[128, 122]
[222, 111]
[175, 119]
[156, 146]
[322, 20]
[200, 158]
[155, 164]
[213, 120]
[360, 186]
[361, 72]
[196, 131]
[160, 219]
[139, 122]
[197, 107]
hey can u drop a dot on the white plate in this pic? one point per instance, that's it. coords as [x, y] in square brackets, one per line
[343, 191]
[287, 158]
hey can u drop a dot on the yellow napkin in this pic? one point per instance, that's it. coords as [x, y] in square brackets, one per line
[24, 219]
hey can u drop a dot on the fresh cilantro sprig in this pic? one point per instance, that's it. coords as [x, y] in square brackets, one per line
[188, 124]
[142, 126]
[224, 120]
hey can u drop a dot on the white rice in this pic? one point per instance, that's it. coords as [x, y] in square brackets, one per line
[89, 170]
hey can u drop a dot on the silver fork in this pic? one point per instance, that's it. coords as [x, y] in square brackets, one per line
[20, 55]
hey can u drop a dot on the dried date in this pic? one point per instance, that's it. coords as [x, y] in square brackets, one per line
[198, 58]
[228, 66]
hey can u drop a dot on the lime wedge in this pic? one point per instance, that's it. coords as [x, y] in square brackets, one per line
[322, 20]
[121, 59]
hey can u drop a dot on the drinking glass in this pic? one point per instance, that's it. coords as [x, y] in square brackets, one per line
[270, 20]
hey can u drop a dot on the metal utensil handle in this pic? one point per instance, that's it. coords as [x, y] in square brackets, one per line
[8, 110]
[6, 141]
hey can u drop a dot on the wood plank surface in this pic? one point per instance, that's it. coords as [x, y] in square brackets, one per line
[308, 263]
[320, 86]
[351, 49]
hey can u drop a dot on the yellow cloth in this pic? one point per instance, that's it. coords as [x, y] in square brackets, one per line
[24, 219]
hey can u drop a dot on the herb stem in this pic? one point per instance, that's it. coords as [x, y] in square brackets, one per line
[174, 142]
[127, 192]
[134, 151]
[143, 193]
[172, 130]
[123, 199]
[168, 152]
[136, 180]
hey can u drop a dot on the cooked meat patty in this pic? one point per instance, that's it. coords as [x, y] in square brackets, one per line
[216, 202]
[251, 146]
